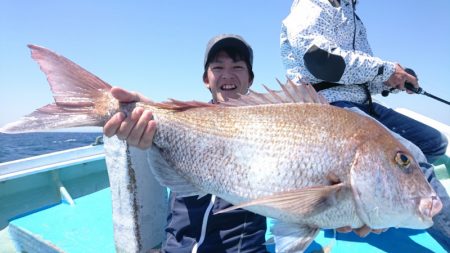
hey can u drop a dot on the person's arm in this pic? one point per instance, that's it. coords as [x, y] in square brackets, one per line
[362, 231]
[138, 128]
[309, 48]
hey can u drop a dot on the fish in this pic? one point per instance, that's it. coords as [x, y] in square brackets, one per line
[285, 154]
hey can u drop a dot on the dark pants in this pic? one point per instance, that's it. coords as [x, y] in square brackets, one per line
[432, 143]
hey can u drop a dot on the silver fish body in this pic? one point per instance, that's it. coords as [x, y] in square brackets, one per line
[246, 153]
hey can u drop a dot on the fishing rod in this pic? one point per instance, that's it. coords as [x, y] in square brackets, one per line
[418, 90]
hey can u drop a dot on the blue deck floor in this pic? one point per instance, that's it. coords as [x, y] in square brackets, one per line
[392, 241]
[83, 228]
[87, 227]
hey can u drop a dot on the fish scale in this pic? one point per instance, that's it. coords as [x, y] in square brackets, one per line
[272, 139]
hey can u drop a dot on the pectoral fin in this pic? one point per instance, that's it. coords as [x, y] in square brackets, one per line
[292, 237]
[305, 201]
[168, 177]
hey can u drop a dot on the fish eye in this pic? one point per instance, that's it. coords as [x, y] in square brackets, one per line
[402, 160]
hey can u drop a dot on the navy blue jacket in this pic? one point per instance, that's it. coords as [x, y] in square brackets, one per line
[191, 223]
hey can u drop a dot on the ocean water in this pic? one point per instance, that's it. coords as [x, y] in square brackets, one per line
[18, 146]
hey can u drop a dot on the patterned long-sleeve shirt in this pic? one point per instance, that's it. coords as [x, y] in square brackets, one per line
[324, 40]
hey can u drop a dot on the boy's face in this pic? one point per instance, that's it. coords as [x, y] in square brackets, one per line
[226, 78]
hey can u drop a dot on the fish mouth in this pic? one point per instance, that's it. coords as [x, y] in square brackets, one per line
[430, 206]
[427, 208]
[228, 87]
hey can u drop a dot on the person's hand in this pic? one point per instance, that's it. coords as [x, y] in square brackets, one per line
[362, 231]
[138, 128]
[399, 77]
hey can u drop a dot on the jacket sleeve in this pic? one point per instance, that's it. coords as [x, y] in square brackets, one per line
[311, 47]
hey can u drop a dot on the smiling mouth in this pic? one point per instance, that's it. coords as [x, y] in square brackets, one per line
[227, 87]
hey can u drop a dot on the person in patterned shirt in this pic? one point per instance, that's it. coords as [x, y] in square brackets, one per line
[324, 43]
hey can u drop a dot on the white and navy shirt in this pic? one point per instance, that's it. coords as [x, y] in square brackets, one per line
[325, 41]
[192, 227]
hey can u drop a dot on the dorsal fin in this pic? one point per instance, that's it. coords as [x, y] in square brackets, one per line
[289, 93]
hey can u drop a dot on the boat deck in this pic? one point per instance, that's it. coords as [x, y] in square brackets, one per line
[81, 228]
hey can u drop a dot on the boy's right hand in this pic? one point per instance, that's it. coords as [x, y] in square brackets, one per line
[362, 231]
[139, 128]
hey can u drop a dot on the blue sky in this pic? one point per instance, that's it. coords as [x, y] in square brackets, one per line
[156, 47]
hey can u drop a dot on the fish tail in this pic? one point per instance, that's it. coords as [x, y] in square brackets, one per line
[81, 98]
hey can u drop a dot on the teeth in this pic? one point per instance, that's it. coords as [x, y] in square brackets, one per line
[228, 87]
